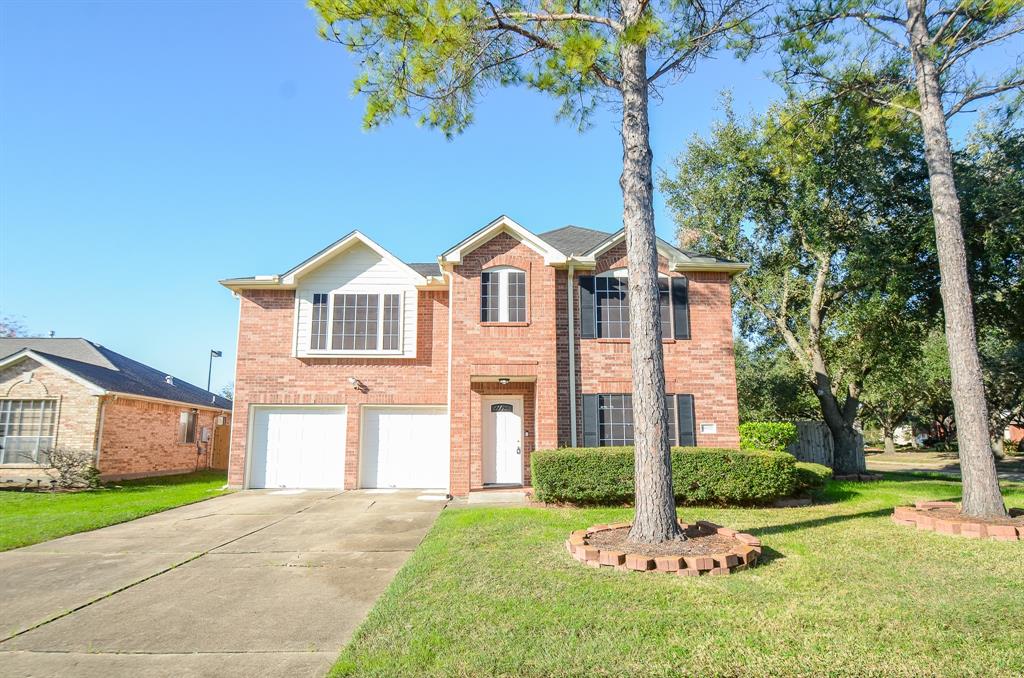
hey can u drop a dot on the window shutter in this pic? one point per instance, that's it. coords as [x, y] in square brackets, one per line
[590, 422]
[681, 307]
[686, 420]
[588, 324]
[485, 303]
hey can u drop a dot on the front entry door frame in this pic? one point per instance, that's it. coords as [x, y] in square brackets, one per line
[502, 441]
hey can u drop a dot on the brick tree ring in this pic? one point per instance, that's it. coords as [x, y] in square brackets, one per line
[944, 517]
[732, 551]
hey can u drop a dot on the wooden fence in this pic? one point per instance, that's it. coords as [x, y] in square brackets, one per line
[814, 443]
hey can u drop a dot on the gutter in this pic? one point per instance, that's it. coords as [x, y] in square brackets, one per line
[165, 401]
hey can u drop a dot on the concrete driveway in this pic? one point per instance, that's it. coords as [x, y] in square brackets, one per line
[253, 583]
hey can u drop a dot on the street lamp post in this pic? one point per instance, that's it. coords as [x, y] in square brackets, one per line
[209, 372]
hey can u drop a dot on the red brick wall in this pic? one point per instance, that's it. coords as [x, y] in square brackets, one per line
[268, 374]
[534, 354]
[487, 351]
[77, 408]
[703, 365]
[140, 438]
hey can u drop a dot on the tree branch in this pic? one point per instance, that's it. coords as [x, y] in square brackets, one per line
[983, 93]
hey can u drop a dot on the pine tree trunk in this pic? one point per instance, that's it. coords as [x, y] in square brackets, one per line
[655, 519]
[981, 496]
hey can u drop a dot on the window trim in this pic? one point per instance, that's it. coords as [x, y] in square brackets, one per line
[54, 420]
[380, 293]
[193, 415]
[666, 292]
[672, 404]
[503, 272]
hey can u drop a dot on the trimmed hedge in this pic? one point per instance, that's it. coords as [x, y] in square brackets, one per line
[767, 435]
[700, 475]
[811, 478]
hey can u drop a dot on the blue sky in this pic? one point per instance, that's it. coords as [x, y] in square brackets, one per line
[149, 149]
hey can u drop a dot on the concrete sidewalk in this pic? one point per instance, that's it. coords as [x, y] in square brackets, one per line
[253, 583]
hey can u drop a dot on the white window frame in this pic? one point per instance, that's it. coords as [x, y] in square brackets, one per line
[503, 292]
[183, 420]
[39, 447]
[380, 293]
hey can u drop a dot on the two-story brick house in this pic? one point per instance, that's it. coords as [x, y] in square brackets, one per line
[356, 369]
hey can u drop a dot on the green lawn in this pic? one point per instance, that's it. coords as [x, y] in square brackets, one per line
[31, 517]
[844, 591]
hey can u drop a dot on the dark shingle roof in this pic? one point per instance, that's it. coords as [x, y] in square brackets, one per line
[112, 371]
[426, 269]
[570, 240]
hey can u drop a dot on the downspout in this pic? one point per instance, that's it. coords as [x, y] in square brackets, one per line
[572, 356]
[99, 431]
[451, 315]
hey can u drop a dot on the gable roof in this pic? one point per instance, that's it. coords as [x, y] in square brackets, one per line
[108, 370]
[503, 224]
[570, 244]
[575, 240]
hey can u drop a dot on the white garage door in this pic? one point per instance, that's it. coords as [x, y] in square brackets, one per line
[405, 447]
[298, 447]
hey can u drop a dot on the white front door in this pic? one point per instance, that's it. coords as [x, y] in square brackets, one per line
[503, 440]
[298, 447]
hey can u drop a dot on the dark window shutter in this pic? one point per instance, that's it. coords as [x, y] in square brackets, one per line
[686, 420]
[485, 303]
[590, 422]
[681, 307]
[588, 324]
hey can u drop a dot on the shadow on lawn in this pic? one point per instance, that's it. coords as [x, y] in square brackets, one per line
[819, 522]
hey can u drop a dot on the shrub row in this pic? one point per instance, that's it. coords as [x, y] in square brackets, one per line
[700, 475]
[767, 435]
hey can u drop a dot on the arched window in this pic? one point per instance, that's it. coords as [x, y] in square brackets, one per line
[503, 295]
[611, 304]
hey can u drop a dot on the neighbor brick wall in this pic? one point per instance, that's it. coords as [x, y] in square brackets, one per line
[267, 373]
[140, 438]
[77, 408]
[487, 351]
[703, 365]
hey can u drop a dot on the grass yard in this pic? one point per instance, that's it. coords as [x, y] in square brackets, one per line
[844, 591]
[31, 517]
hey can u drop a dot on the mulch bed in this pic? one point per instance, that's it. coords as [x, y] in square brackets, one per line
[945, 517]
[708, 549]
[695, 544]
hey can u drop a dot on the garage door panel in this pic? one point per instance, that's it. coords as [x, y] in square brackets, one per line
[298, 447]
[404, 447]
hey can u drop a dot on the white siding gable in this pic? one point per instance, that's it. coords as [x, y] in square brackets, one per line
[356, 270]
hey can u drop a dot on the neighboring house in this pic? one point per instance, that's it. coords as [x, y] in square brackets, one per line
[76, 394]
[356, 369]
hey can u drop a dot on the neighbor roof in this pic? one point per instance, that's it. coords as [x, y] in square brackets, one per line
[112, 371]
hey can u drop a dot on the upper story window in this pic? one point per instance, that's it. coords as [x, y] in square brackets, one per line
[611, 305]
[365, 322]
[503, 295]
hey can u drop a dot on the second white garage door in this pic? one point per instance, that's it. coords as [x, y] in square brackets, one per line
[404, 447]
